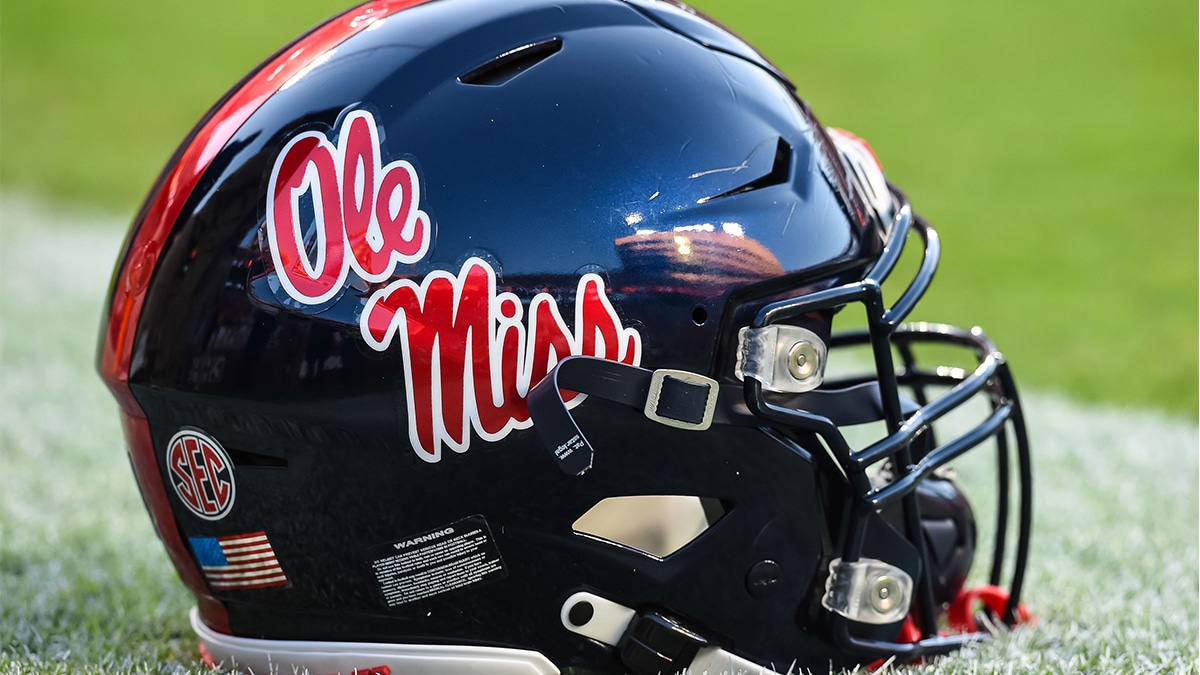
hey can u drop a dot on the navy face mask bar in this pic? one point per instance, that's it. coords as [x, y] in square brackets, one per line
[692, 401]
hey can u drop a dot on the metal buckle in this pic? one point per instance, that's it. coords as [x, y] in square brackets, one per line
[657, 379]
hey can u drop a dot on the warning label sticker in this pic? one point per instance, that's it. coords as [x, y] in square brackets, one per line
[458, 555]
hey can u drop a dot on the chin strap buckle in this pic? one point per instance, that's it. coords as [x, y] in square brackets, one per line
[681, 399]
[654, 644]
[648, 643]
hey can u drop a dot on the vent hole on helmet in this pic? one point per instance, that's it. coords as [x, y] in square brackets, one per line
[657, 525]
[699, 315]
[508, 65]
[780, 173]
[247, 458]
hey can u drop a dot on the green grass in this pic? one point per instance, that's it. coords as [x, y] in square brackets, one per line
[1054, 145]
[85, 586]
[96, 96]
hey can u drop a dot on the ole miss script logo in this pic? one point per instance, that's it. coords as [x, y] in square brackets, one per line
[470, 352]
[202, 474]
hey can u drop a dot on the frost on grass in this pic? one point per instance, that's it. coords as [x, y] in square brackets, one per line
[85, 586]
[1113, 569]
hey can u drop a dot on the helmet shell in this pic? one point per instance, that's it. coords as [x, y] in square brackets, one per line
[635, 173]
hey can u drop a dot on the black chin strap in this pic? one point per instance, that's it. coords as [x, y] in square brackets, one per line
[674, 398]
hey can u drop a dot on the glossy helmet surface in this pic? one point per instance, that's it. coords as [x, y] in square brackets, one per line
[476, 336]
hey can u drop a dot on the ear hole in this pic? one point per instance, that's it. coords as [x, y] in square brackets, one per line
[699, 315]
[657, 525]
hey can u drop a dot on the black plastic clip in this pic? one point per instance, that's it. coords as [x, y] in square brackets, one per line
[654, 644]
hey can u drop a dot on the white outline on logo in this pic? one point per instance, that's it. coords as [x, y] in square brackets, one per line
[499, 323]
[311, 182]
[201, 437]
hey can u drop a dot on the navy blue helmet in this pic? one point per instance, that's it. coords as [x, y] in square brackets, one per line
[469, 336]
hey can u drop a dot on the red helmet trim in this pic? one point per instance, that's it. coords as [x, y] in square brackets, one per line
[145, 470]
[146, 243]
[129, 288]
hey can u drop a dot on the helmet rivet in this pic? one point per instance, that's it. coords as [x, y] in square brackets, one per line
[885, 593]
[764, 579]
[581, 613]
[803, 360]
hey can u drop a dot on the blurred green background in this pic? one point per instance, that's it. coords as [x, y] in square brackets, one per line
[1053, 145]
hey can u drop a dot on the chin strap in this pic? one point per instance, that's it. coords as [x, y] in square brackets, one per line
[651, 643]
[693, 402]
[674, 398]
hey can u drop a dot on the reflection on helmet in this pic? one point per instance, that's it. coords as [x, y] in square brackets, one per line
[466, 336]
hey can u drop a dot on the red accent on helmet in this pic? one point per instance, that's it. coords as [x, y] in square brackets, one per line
[206, 656]
[146, 241]
[961, 614]
[858, 141]
[909, 633]
[154, 492]
[176, 186]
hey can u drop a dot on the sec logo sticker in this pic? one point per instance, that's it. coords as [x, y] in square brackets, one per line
[202, 474]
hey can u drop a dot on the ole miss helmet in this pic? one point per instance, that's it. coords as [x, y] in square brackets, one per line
[508, 337]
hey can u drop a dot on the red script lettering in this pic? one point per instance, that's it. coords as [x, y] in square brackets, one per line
[469, 360]
[367, 217]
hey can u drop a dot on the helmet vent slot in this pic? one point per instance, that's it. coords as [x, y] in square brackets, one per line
[780, 173]
[508, 65]
[247, 458]
[657, 525]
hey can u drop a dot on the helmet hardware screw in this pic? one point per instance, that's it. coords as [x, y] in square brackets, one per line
[803, 360]
[885, 593]
[764, 579]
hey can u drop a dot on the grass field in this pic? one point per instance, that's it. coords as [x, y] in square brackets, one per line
[1054, 145]
[85, 586]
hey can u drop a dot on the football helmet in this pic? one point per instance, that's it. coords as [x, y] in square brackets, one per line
[497, 337]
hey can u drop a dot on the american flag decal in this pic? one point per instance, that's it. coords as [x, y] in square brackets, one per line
[238, 561]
